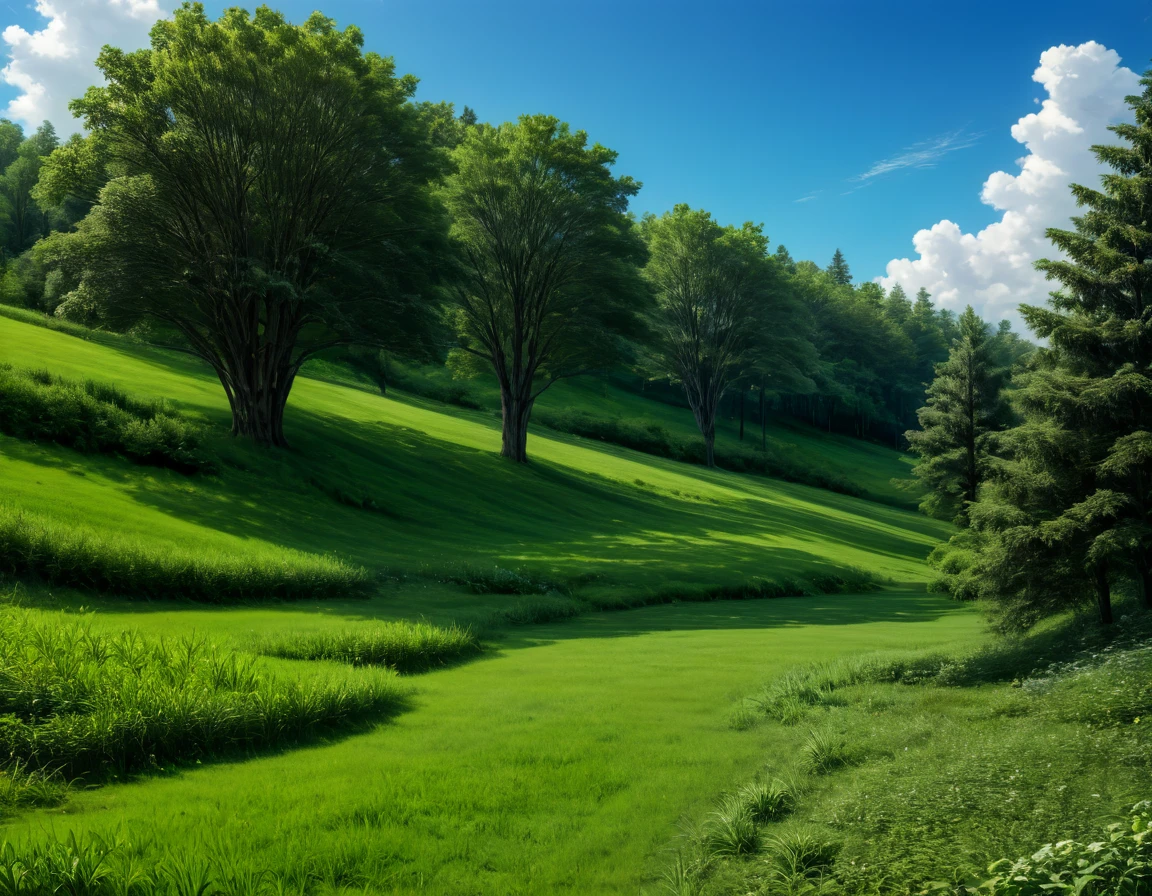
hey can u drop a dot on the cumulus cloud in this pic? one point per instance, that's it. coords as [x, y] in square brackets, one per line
[55, 63]
[992, 269]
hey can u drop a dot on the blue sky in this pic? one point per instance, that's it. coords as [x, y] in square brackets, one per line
[745, 108]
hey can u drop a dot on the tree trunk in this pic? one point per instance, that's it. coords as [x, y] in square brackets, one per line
[1144, 574]
[1103, 594]
[257, 400]
[763, 422]
[742, 413]
[515, 411]
[709, 432]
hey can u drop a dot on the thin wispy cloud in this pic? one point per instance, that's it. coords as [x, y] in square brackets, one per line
[920, 155]
[807, 198]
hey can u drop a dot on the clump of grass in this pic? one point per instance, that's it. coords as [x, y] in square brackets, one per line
[403, 646]
[21, 788]
[731, 829]
[538, 610]
[824, 751]
[32, 544]
[90, 705]
[98, 417]
[767, 800]
[800, 863]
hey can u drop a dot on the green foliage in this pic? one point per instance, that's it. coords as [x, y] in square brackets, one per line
[838, 270]
[767, 800]
[1119, 863]
[1069, 516]
[97, 417]
[715, 287]
[548, 283]
[824, 751]
[339, 226]
[403, 646]
[90, 705]
[65, 554]
[731, 829]
[959, 424]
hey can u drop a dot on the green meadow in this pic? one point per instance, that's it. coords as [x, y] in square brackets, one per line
[608, 707]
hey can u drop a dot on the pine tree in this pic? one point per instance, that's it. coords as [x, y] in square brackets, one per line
[1099, 326]
[964, 412]
[838, 269]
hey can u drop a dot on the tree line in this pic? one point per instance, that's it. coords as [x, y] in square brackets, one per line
[1046, 465]
[255, 192]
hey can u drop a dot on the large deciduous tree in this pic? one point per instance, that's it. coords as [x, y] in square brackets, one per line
[270, 199]
[548, 283]
[958, 424]
[714, 286]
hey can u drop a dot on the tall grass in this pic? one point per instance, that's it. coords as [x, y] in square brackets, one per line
[98, 417]
[403, 646]
[32, 544]
[89, 705]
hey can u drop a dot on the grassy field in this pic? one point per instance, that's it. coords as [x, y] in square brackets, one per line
[560, 761]
[564, 757]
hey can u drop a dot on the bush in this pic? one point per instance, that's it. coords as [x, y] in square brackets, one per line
[95, 417]
[88, 704]
[60, 554]
[403, 646]
[1119, 863]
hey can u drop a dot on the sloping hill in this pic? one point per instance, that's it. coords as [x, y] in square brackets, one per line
[441, 498]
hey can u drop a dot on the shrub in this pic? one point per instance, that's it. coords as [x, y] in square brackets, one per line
[31, 544]
[823, 752]
[89, 704]
[403, 646]
[97, 417]
[1120, 863]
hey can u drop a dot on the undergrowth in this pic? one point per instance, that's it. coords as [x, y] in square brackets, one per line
[98, 417]
[956, 760]
[64, 554]
[403, 646]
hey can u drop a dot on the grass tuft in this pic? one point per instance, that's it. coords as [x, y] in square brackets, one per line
[767, 800]
[31, 544]
[823, 752]
[403, 646]
[731, 829]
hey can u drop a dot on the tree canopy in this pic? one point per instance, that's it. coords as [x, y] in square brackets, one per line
[269, 200]
[548, 283]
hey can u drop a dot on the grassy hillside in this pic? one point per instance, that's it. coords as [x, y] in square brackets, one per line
[562, 758]
[439, 497]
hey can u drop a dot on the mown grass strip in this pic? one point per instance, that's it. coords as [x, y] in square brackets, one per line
[403, 646]
[62, 554]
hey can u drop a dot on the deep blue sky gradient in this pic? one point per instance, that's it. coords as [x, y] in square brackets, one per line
[743, 108]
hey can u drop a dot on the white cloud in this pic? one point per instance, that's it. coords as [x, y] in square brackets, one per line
[921, 155]
[55, 63]
[992, 269]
